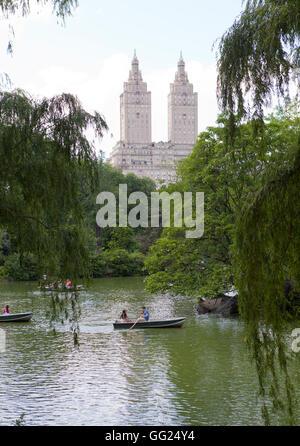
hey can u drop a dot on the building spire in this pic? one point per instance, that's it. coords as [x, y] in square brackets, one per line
[181, 61]
[135, 73]
[135, 59]
[181, 75]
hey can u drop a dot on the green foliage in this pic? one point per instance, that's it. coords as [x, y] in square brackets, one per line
[257, 54]
[122, 238]
[174, 263]
[109, 179]
[43, 154]
[5, 243]
[116, 262]
[3, 273]
[18, 267]
[104, 251]
[252, 207]
[98, 264]
[267, 255]
[226, 174]
[122, 263]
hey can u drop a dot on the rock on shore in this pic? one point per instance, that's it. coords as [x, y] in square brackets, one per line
[224, 305]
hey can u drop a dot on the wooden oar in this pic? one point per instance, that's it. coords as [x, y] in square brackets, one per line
[139, 318]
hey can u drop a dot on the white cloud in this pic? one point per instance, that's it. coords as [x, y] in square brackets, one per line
[204, 79]
[19, 23]
[99, 11]
[99, 91]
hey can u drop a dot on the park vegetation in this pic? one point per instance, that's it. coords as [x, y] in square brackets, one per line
[247, 165]
[106, 252]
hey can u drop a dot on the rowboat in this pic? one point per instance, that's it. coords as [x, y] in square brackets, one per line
[18, 317]
[63, 289]
[167, 323]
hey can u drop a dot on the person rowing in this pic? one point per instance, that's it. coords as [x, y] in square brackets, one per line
[145, 314]
[144, 317]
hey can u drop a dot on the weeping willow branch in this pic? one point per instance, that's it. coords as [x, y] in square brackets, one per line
[257, 55]
[10, 8]
[257, 59]
[267, 251]
[44, 157]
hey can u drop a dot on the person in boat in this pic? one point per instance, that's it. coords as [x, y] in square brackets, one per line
[145, 314]
[68, 284]
[124, 317]
[6, 310]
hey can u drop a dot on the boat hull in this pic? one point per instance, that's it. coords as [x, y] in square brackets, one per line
[62, 290]
[19, 317]
[177, 322]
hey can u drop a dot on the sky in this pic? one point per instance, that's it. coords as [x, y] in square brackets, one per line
[90, 56]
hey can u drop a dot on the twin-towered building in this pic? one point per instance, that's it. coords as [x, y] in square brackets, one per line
[136, 152]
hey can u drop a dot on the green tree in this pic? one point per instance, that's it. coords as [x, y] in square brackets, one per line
[258, 56]
[43, 153]
[118, 250]
[110, 178]
[226, 175]
[267, 263]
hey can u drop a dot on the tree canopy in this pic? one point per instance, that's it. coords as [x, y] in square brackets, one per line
[251, 238]
[227, 175]
[257, 56]
[43, 152]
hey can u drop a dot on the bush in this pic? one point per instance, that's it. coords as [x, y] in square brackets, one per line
[137, 262]
[98, 265]
[116, 262]
[21, 269]
[2, 259]
[3, 273]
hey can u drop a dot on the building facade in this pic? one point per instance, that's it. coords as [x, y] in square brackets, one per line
[182, 109]
[136, 152]
[135, 108]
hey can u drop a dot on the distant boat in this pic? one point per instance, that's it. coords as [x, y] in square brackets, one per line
[18, 317]
[64, 289]
[167, 323]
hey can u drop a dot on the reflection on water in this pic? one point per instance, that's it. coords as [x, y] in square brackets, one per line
[195, 375]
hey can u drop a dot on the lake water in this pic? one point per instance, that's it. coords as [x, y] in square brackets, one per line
[199, 374]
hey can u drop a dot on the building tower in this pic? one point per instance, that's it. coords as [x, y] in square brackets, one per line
[135, 108]
[182, 109]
